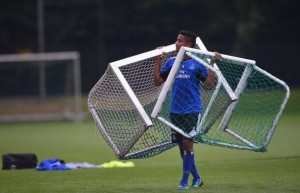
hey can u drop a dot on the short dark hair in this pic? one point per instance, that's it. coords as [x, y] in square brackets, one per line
[191, 36]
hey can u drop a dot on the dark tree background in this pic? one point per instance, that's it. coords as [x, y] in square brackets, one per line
[107, 30]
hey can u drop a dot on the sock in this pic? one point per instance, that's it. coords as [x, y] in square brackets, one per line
[195, 172]
[188, 162]
[194, 168]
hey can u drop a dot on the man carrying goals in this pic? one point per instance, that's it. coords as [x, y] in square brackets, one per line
[186, 103]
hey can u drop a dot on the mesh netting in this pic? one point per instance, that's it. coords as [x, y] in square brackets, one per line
[256, 112]
[116, 115]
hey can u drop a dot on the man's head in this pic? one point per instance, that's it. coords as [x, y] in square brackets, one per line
[185, 38]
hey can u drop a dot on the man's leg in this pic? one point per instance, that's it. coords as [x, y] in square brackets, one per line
[187, 160]
[186, 148]
[194, 170]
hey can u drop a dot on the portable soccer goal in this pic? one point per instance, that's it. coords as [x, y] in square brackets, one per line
[240, 111]
[40, 87]
[245, 123]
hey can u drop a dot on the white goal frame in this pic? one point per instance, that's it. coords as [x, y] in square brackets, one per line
[116, 65]
[74, 57]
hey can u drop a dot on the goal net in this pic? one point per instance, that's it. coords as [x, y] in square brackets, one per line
[133, 115]
[250, 121]
[121, 103]
[38, 87]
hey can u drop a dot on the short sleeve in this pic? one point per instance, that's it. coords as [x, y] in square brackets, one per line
[164, 73]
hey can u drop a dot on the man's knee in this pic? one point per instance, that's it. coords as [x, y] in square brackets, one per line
[187, 144]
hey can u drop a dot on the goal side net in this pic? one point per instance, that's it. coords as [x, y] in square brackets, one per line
[121, 103]
[250, 121]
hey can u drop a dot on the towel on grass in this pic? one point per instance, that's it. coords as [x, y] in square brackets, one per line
[52, 164]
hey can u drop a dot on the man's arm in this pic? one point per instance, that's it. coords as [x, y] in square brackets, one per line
[158, 80]
[210, 80]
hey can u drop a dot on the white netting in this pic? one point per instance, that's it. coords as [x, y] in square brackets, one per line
[117, 117]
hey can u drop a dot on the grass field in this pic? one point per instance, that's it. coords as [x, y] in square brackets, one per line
[223, 170]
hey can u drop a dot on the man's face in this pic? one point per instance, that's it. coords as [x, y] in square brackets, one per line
[182, 41]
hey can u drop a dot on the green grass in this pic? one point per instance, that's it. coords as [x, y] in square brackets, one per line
[224, 170]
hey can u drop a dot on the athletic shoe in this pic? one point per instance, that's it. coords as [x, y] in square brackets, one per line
[183, 187]
[197, 183]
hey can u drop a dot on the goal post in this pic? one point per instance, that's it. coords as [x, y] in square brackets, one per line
[20, 96]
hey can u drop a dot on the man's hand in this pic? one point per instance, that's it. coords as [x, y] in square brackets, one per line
[160, 57]
[157, 65]
[217, 57]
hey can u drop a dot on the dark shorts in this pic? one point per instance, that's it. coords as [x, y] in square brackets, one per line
[186, 122]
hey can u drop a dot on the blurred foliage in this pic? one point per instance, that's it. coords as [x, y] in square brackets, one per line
[107, 30]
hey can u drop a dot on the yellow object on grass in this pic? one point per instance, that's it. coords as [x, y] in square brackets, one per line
[117, 164]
